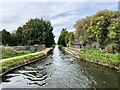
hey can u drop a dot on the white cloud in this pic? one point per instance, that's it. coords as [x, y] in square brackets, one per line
[61, 14]
[62, 20]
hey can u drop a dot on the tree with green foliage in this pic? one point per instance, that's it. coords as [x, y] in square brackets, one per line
[13, 41]
[8, 38]
[81, 31]
[61, 39]
[102, 27]
[19, 36]
[5, 37]
[104, 19]
[69, 38]
[36, 31]
[66, 37]
[114, 31]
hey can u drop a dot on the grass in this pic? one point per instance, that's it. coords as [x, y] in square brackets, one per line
[8, 52]
[19, 60]
[15, 53]
[99, 55]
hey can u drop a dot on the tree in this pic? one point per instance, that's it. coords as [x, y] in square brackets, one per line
[104, 18]
[13, 41]
[83, 31]
[36, 31]
[114, 31]
[101, 27]
[8, 38]
[69, 38]
[61, 39]
[19, 36]
[5, 37]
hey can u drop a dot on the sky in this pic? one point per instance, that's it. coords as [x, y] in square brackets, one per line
[62, 14]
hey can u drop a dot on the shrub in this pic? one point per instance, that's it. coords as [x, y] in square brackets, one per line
[6, 50]
[89, 47]
[112, 48]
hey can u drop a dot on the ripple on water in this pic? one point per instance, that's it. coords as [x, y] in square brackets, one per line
[61, 70]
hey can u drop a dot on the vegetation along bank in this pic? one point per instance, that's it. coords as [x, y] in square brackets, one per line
[9, 64]
[35, 32]
[95, 56]
[96, 38]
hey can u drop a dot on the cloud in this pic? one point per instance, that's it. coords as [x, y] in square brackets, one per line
[61, 14]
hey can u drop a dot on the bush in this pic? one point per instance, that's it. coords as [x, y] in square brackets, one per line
[112, 48]
[6, 50]
[89, 47]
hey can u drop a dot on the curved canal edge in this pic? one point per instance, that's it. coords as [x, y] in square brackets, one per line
[23, 60]
[61, 70]
[75, 53]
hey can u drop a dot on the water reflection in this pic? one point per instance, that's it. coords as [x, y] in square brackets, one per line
[60, 70]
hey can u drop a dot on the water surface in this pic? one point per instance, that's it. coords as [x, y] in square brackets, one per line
[60, 70]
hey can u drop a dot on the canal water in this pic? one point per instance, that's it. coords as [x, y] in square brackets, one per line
[60, 70]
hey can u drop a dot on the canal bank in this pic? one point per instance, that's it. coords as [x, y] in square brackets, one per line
[61, 70]
[76, 53]
[10, 64]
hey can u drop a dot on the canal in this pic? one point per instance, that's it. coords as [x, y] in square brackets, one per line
[60, 70]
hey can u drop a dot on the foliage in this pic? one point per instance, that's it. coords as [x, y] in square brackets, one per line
[5, 37]
[61, 40]
[69, 38]
[112, 48]
[66, 37]
[6, 49]
[99, 55]
[8, 38]
[81, 30]
[8, 52]
[13, 62]
[102, 27]
[13, 39]
[36, 31]
[114, 31]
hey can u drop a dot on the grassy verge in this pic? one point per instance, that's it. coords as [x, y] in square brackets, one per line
[13, 62]
[15, 53]
[8, 52]
[97, 55]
